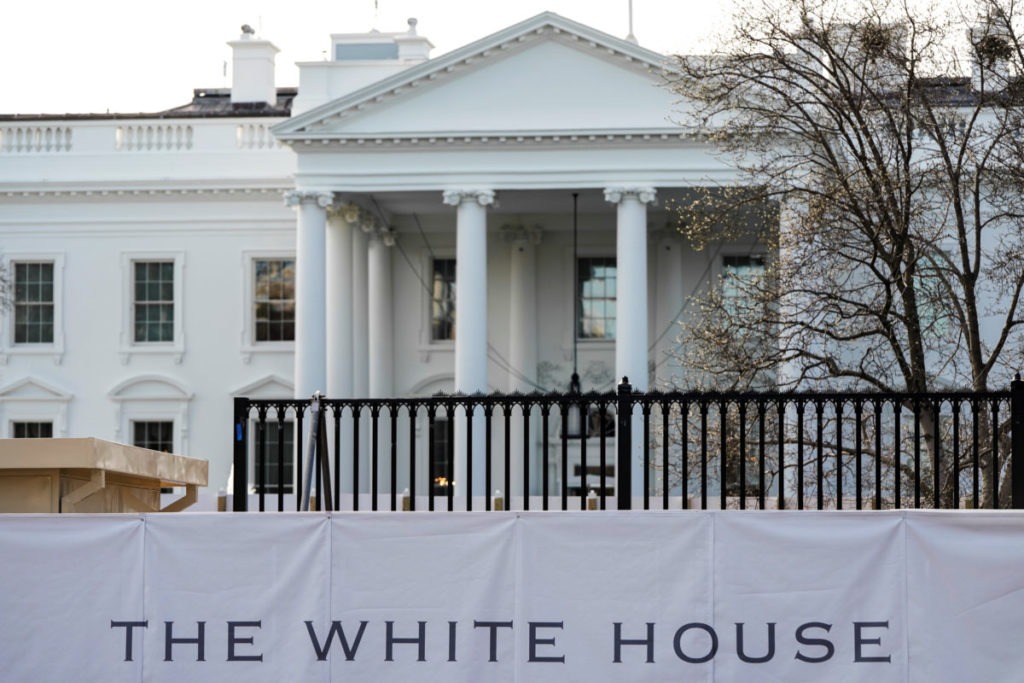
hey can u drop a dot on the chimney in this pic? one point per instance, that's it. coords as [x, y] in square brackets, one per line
[252, 72]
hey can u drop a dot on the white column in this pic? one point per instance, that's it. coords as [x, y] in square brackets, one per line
[522, 344]
[310, 290]
[470, 325]
[361, 344]
[631, 306]
[669, 302]
[339, 302]
[381, 326]
[360, 313]
[631, 300]
[471, 287]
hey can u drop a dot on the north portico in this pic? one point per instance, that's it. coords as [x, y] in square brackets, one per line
[474, 157]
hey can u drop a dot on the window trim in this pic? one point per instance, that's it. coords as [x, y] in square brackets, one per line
[569, 278]
[32, 400]
[152, 398]
[128, 345]
[248, 344]
[8, 347]
[428, 344]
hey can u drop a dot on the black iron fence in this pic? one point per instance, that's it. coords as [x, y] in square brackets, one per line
[625, 450]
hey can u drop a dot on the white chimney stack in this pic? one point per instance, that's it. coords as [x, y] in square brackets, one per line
[252, 72]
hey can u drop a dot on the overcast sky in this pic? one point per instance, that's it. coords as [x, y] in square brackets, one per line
[77, 56]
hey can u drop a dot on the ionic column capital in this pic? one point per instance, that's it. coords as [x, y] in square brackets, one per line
[644, 195]
[456, 197]
[322, 198]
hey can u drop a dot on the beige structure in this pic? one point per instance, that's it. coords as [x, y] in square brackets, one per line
[92, 475]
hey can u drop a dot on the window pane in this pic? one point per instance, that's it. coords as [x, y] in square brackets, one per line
[32, 430]
[442, 308]
[274, 300]
[157, 435]
[154, 301]
[33, 303]
[596, 291]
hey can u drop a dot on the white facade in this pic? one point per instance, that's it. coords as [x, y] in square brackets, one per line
[386, 166]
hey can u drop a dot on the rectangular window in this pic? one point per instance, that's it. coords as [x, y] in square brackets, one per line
[442, 301]
[273, 475]
[741, 275]
[33, 303]
[274, 300]
[596, 291]
[153, 301]
[32, 430]
[157, 435]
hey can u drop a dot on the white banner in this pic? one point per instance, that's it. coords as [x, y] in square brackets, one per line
[581, 596]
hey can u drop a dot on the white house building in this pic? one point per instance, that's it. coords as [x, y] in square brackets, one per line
[396, 225]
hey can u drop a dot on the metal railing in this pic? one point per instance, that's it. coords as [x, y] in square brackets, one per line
[655, 450]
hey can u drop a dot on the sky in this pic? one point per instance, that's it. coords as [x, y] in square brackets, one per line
[125, 56]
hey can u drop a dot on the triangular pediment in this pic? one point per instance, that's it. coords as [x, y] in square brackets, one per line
[30, 389]
[547, 75]
[269, 387]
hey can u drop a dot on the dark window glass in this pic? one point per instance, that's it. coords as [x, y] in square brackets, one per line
[33, 430]
[154, 301]
[274, 300]
[596, 290]
[442, 309]
[33, 303]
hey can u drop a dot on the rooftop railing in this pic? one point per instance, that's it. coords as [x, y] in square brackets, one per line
[654, 450]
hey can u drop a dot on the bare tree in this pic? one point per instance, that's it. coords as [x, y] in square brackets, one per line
[886, 139]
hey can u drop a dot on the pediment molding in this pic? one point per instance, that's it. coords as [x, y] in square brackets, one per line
[314, 126]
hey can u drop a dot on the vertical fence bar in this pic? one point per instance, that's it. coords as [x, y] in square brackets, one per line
[298, 457]
[956, 454]
[1017, 443]
[684, 436]
[897, 458]
[937, 455]
[646, 407]
[374, 461]
[239, 493]
[261, 463]
[819, 411]
[338, 412]
[742, 465]
[878, 453]
[858, 417]
[584, 408]
[994, 428]
[723, 453]
[917, 452]
[975, 453]
[761, 407]
[664, 454]
[488, 466]
[604, 456]
[704, 455]
[357, 413]
[545, 409]
[781, 409]
[506, 415]
[393, 420]
[839, 453]
[800, 454]
[526, 453]
[624, 434]
[413, 411]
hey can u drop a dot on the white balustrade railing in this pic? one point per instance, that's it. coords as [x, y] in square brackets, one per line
[255, 136]
[30, 139]
[154, 137]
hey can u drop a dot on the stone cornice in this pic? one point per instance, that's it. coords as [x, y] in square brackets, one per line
[79, 193]
[496, 139]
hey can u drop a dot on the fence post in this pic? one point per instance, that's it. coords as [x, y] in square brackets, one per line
[1017, 443]
[624, 436]
[241, 455]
